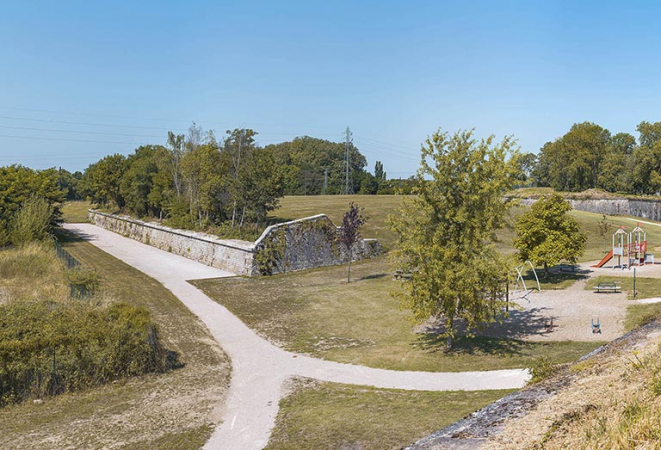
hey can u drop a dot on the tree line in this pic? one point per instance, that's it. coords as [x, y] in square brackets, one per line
[198, 181]
[589, 156]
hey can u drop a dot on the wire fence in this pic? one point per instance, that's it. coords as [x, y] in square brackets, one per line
[65, 256]
[77, 291]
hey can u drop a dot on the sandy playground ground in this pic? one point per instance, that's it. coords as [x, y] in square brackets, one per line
[571, 311]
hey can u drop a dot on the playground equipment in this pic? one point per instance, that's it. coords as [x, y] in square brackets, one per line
[519, 277]
[628, 247]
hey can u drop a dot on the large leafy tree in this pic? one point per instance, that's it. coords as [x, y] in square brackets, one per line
[18, 185]
[546, 235]
[615, 174]
[238, 146]
[646, 159]
[446, 232]
[258, 187]
[307, 162]
[102, 180]
[137, 182]
[572, 162]
[68, 182]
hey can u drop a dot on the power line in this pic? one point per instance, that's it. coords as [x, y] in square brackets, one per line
[93, 113]
[391, 144]
[68, 140]
[395, 153]
[90, 124]
[51, 130]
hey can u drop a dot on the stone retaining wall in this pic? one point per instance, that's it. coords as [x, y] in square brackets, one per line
[306, 243]
[296, 245]
[645, 209]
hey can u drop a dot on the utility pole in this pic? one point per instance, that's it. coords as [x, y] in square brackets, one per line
[325, 181]
[348, 186]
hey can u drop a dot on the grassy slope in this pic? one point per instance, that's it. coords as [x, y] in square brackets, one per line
[352, 417]
[76, 212]
[317, 312]
[614, 402]
[378, 207]
[171, 411]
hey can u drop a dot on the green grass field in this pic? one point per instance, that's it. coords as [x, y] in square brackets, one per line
[318, 313]
[76, 212]
[379, 207]
[646, 287]
[328, 416]
[173, 410]
[377, 210]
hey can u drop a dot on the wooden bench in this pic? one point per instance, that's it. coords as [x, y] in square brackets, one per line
[606, 287]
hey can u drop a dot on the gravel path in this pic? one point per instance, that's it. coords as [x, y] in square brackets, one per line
[259, 368]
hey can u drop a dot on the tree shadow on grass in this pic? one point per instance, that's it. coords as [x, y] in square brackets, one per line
[375, 276]
[476, 345]
[172, 360]
[65, 236]
[499, 338]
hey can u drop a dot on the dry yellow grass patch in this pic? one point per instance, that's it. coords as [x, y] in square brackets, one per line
[614, 404]
[32, 272]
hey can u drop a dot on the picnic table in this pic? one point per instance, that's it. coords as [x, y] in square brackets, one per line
[606, 287]
[566, 267]
[400, 275]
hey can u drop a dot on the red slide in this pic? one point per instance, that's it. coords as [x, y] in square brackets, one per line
[605, 260]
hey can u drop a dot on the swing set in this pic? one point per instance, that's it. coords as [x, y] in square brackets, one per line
[519, 278]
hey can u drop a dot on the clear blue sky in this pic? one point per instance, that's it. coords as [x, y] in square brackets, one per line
[392, 71]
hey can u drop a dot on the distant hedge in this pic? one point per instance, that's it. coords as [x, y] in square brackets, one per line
[47, 348]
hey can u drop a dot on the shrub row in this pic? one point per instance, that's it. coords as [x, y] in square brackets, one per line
[47, 348]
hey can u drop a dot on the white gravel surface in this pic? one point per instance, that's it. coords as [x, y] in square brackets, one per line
[259, 368]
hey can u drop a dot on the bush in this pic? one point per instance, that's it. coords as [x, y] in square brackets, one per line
[84, 282]
[32, 222]
[541, 369]
[47, 348]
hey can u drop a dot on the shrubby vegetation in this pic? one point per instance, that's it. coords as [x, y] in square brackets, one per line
[51, 343]
[48, 347]
[32, 222]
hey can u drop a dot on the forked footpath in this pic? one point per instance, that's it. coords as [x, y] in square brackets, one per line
[260, 368]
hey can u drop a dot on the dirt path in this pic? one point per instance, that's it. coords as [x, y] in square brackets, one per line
[259, 368]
